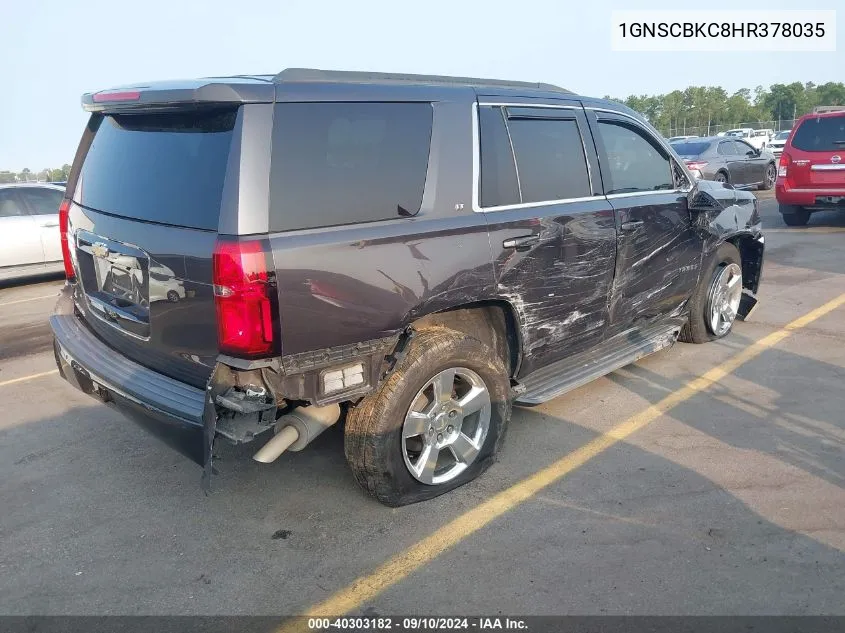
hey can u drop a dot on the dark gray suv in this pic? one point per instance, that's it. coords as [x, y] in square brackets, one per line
[257, 258]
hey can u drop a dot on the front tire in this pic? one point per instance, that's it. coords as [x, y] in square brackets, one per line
[436, 423]
[794, 216]
[714, 304]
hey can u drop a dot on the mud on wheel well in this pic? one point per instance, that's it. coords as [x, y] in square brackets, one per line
[493, 323]
[751, 254]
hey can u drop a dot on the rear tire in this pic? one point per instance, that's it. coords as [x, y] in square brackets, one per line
[698, 328]
[387, 459]
[769, 177]
[721, 177]
[794, 216]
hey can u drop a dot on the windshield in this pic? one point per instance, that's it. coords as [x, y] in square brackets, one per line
[782, 136]
[690, 149]
[822, 134]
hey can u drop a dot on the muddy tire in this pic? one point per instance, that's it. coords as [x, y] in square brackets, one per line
[705, 301]
[388, 457]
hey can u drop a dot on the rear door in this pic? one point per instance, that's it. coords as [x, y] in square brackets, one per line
[733, 162]
[147, 203]
[659, 251]
[20, 237]
[817, 150]
[552, 233]
[43, 203]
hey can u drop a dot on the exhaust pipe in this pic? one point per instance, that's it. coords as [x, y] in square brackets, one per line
[296, 430]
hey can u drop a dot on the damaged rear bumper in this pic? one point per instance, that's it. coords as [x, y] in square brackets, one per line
[169, 409]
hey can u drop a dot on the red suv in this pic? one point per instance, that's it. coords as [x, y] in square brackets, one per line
[811, 173]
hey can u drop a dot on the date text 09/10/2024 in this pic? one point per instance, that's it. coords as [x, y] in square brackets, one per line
[416, 624]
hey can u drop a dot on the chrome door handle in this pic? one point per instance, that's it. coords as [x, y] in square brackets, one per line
[522, 243]
[632, 225]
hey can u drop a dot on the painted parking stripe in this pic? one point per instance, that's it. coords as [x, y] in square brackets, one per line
[426, 550]
[11, 303]
[15, 381]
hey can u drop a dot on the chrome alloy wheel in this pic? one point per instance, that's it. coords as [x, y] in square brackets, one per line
[723, 298]
[446, 426]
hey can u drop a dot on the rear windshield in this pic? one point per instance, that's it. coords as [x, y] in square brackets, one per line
[823, 134]
[690, 149]
[167, 167]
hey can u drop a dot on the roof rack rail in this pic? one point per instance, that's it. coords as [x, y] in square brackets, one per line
[314, 74]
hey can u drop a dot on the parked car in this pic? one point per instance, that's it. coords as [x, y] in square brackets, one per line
[755, 138]
[811, 172]
[333, 232]
[730, 160]
[761, 138]
[29, 230]
[775, 146]
[675, 139]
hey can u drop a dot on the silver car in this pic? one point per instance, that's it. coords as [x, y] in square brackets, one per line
[777, 143]
[29, 229]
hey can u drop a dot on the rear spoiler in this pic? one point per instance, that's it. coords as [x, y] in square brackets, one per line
[177, 94]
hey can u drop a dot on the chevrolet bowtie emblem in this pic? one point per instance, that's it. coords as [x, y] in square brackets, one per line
[100, 250]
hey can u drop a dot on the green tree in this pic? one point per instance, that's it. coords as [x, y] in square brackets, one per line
[7, 177]
[65, 171]
[56, 175]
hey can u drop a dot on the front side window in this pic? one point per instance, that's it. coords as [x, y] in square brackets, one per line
[43, 201]
[634, 162]
[346, 163]
[742, 148]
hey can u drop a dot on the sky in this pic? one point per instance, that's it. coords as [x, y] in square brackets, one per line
[53, 51]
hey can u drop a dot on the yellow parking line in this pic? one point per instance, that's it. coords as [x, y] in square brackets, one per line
[11, 303]
[402, 565]
[809, 229]
[15, 381]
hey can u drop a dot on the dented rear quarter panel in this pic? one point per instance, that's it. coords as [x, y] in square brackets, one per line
[346, 284]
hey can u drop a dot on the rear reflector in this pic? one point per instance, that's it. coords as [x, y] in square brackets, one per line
[244, 298]
[124, 95]
[696, 164]
[64, 212]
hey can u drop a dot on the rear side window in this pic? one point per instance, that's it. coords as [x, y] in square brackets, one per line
[634, 163]
[690, 149]
[727, 148]
[165, 167]
[43, 201]
[550, 159]
[822, 134]
[10, 205]
[345, 163]
[498, 171]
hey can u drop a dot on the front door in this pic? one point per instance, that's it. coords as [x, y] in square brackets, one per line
[754, 164]
[659, 251]
[552, 233]
[20, 236]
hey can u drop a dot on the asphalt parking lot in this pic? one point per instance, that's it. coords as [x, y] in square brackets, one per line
[664, 493]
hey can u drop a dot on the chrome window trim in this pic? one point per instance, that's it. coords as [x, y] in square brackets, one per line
[833, 167]
[476, 162]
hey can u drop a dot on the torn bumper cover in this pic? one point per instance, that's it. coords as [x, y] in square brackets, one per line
[167, 408]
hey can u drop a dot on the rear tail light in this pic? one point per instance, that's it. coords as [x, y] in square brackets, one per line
[64, 213]
[244, 296]
[696, 164]
[783, 165]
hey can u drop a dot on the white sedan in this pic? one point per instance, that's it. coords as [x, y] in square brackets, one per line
[29, 229]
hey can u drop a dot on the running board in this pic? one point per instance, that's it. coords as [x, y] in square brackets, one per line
[570, 373]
